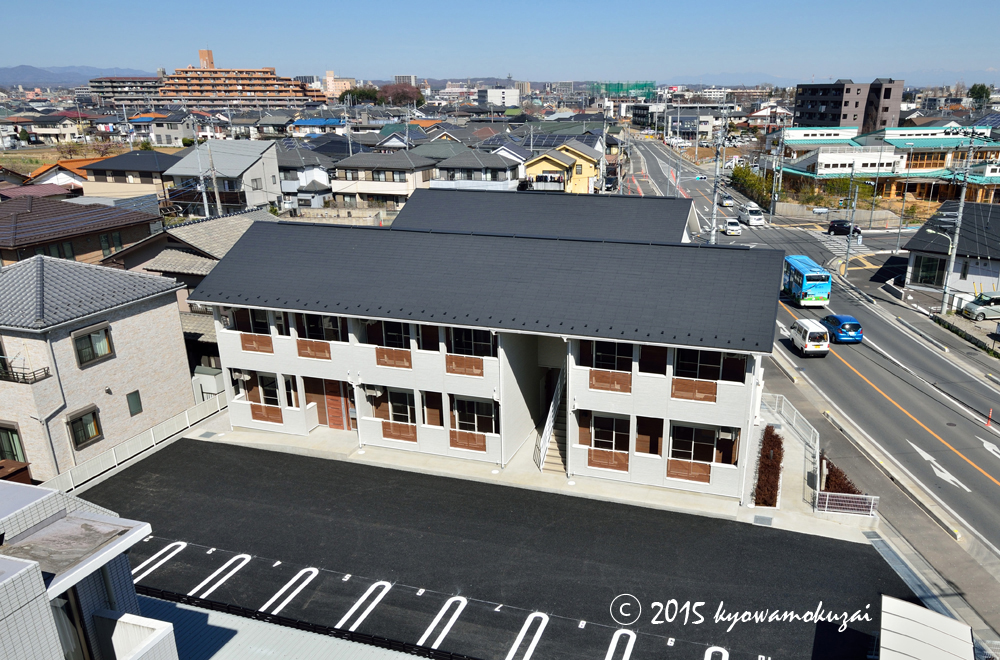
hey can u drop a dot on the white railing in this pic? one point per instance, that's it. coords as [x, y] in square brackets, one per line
[805, 432]
[858, 505]
[129, 449]
[542, 446]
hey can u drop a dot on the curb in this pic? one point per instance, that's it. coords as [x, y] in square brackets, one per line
[784, 366]
[923, 334]
[902, 483]
[993, 378]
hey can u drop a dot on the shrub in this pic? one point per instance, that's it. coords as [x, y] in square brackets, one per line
[145, 145]
[837, 481]
[769, 468]
[187, 142]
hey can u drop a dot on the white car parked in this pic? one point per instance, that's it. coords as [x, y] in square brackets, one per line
[751, 215]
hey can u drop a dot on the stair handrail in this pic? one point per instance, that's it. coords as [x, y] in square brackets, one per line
[542, 446]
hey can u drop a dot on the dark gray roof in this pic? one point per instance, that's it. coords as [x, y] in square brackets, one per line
[609, 290]
[979, 237]
[553, 214]
[471, 158]
[33, 220]
[296, 157]
[41, 292]
[397, 160]
[179, 261]
[136, 161]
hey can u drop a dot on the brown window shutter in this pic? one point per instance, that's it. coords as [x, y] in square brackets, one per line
[375, 334]
[429, 338]
[343, 330]
[586, 353]
[300, 325]
[583, 417]
[653, 359]
[242, 318]
[253, 389]
[648, 435]
[381, 405]
[432, 406]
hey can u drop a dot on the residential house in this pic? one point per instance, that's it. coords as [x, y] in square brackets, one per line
[305, 176]
[274, 125]
[39, 225]
[53, 129]
[439, 149]
[650, 385]
[48, 190]
[588, 167]
[376, 179]
[551, 170]
[476, 170]
[82, 373]
[131, 174]
[66, 586]
[245, 173]
[977, 253]
[312, 126]
[67, 173]
[172, 130]
[9, 178]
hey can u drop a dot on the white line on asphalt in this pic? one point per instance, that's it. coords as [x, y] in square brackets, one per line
[461, 602]
[385, 586]
[938, 470]
[990, 447]
[544, 620]
[177, 547]
[242, 559]
[985, 541]
[614, 644]
[313, 572]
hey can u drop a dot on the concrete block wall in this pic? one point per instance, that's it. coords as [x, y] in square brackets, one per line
[27, 628]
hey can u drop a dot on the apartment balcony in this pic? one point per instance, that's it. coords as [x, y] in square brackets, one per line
[227, 197]
[463, 184]
[547, 182]
[21, 375]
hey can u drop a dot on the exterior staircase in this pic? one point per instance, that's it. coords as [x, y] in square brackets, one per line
[555, 456]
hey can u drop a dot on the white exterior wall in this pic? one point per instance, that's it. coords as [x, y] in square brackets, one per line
[519, 374]
[265, 169]
[651, 397]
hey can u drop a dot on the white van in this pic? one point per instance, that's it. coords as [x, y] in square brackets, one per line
[751, 214]
[810, 337]
[733, 227]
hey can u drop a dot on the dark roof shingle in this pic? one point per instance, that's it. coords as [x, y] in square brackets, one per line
[33, 220]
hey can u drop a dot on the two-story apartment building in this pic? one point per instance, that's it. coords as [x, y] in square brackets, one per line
[173, 129]
[380, 179]
[466, 343]
[40, 225]
[82, 372]
[476, 170]
[245, 171]
[131, 174]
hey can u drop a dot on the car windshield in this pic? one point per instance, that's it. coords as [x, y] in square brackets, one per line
[850, 327]
[754, 212]
[817, 336]
[983, 300]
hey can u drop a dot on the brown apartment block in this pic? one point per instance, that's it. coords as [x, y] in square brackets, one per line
[87, 233]
[208, 86]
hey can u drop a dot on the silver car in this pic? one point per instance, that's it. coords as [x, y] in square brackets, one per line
[985, 306]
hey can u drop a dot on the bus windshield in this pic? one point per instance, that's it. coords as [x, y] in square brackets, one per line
[817, 278]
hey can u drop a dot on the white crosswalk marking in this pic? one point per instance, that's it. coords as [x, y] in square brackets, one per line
[838, 244]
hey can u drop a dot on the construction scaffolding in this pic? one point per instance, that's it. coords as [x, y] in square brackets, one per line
[632, 89]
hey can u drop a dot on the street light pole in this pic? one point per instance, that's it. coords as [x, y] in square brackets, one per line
[850, 230]
[902, 209]
[958, 227]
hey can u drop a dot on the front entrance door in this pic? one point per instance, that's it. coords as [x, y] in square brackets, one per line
[337, 404]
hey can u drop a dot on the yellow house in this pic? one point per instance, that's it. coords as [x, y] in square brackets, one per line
[551, 170]
[587, 166]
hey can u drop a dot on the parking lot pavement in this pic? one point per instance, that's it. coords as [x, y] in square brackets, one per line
[385, 552]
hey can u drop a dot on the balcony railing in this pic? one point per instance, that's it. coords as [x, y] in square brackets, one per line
[467, 440]
[393, 357]
[611, 381]
[694, 390]
[20, 375]
[399, 431]
[464, 365]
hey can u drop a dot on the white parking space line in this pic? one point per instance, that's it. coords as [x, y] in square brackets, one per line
[614, 644]
[313, 572]
[169, 551]
[385, 586]
[543, 621]
[242, 561]
[461, 602]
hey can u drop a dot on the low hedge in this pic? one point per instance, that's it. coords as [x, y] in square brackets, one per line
[769, 468]
[837, 481]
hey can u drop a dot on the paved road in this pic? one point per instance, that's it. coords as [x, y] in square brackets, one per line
[421, 541]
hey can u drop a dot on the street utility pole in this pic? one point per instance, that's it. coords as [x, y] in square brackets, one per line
[201, 178]
[215, 183]
[715, 188]
[958, 227]
[850, 232]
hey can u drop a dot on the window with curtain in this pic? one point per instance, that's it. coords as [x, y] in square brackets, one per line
[93, 346]
[10, 445]
[85, 429]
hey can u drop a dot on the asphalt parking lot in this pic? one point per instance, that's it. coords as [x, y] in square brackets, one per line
[386, 552]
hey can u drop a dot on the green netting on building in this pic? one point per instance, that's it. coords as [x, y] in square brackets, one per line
[630, 88]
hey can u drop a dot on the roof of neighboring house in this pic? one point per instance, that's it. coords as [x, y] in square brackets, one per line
[4, 172]
[555, 155]
[40, 292]
[439, 150]
[470, 158]
[199, 327]
[314, 187]
[515, 150]
[551, 214]
[181, 262]
[74, 165]
[318, 121]
[217, 235]
[293, 156]
[231, 158]
[582, 149]
[37, 190]
[32, 220]
[570, 287]
[904, 143]
[135, 161]
[979, 237]
[398, 160]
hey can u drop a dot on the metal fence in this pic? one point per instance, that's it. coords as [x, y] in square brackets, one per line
[859, 505]
[129, 449]
[801, 429]
[542, 446]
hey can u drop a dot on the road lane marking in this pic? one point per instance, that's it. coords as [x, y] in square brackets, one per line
[990, 447]
[903, 410]
[313, 572]
[385, 586]
[177, 547]
[461, 602]
[242, 561]
[938, 470]
[614, 644]
[544, 620]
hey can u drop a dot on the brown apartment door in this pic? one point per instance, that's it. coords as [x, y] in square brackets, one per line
[336, 405]
[315, 393]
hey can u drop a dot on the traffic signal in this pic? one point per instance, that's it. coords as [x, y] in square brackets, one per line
[699, 178]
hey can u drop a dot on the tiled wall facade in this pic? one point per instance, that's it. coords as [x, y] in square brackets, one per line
[94, 597]
[27, 629]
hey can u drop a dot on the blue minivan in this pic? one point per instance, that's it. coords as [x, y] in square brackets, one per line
[843, 328]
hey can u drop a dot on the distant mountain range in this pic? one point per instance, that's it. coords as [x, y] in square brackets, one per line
[59, 76]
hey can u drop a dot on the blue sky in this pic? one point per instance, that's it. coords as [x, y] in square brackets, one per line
[532, 40]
